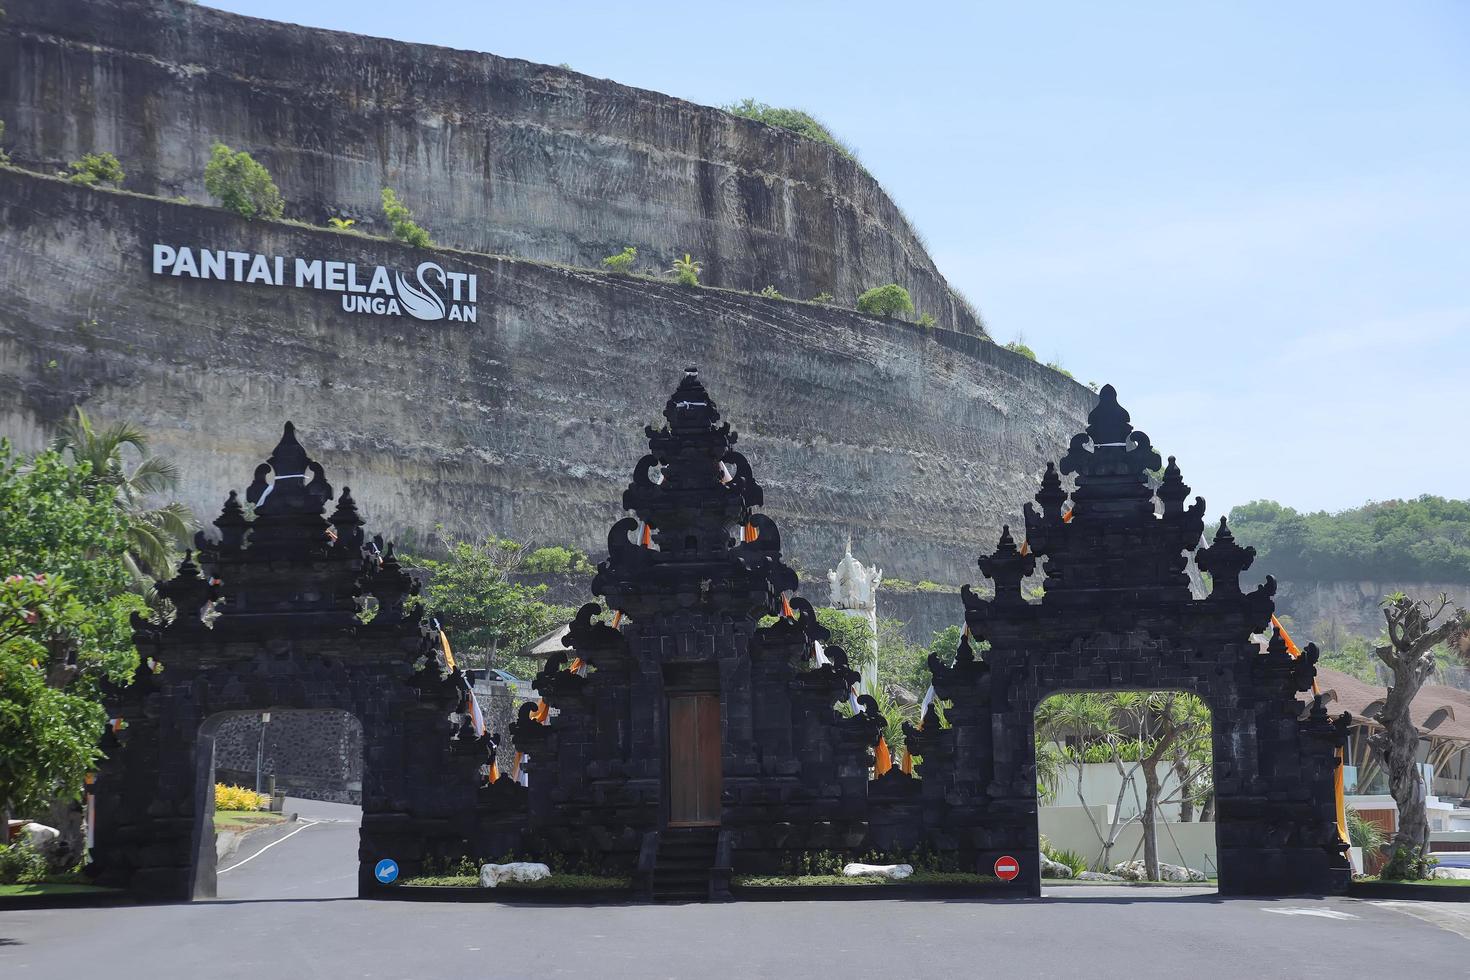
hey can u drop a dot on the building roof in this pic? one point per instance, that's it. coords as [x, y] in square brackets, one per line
[1438, 711]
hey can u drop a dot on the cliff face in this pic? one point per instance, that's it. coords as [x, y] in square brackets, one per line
[526, 421]
[494, 154]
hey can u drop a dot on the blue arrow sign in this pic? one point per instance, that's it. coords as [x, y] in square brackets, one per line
[386, 871]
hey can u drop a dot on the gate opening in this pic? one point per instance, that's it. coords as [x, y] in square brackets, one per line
[1125, 786]
[279, 804]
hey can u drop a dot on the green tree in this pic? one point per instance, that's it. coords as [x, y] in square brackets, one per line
[622, 262]
[1424, 539]
[851, 633]
[792, 120]
[64, 622]
[556, 560]
[241, 185]
[96, 168]
[154, 531]
[489, 616]
[400, 219]
[889, 300]
[686, 271]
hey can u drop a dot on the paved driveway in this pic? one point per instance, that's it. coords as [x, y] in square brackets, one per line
[286, 912]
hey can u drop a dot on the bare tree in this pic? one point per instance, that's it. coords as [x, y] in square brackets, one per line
[1415, 628]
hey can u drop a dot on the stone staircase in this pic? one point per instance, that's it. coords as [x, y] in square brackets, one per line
[685, 857]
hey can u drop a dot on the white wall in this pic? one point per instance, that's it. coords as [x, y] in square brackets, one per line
[1100, 782]
[1189, 844]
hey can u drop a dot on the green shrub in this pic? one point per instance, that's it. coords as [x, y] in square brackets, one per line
[621, 262]
[241, 185]
[96, 168]
[792, 120]
[21, 864]
[770, 293]
[1406, 865]
[1364, 833]
[341, 224]
[4, 157]
[400, 219]
[1020, 348]
[889, 300]
[1057, 368]
[686, 271]
[823, 297]
[926, 320]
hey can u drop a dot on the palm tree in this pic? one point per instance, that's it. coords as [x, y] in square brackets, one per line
[153, 532]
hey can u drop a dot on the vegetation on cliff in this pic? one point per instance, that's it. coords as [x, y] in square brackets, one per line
[1423, 540]
[794, 120]
[242, 185]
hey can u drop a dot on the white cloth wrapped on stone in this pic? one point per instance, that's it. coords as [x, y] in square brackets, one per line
[492, 875]
[894, 871]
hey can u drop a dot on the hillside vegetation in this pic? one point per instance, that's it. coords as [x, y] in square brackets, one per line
[1426, 539]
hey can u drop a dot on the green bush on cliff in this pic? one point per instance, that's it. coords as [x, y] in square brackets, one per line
[686, 271]
[889, 300]
[400, 219]
[1018, 347]
[4, 157]
[622, 262]
[96, 168]
[241, 185]
[793, 120]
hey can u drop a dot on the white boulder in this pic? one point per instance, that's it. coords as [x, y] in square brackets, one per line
[1054, 869]
[1099, 876]
[492, 875]
[1462, 874]
[41, 837]
[1137, 871]
[894, 871]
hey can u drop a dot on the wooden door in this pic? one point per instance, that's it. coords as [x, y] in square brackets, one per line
[694, 760]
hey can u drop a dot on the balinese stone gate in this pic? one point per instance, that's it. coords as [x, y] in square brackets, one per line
[1117, 613]
[693, 739]
[277, 622]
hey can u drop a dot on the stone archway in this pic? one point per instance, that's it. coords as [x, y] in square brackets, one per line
[277, 623]
[1118, 612]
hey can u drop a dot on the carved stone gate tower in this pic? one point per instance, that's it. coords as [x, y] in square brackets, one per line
[275, 621]
[1117, 613]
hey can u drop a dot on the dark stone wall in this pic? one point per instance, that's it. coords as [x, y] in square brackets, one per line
[314, 755]
[493, 154]
[519, 422]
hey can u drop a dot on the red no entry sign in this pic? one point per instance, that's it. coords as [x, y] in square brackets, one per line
[1007, 868]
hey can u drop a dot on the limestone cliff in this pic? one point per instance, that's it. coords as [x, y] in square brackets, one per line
[920, 443]
[494, 154]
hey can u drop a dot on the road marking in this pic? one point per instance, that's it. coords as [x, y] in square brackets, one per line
[304, 825]
[1319, 913]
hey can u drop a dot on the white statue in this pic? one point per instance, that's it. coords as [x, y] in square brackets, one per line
[854, 585]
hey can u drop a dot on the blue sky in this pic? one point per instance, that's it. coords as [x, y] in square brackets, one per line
[1252, 218]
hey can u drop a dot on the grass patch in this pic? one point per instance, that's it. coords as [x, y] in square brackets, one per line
[244, 819]
[1437, 882]
[581, 882]
[53, 888]
[917, 878]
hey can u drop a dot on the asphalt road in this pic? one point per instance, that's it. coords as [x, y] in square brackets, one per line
[285, 911]
[313, 857]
